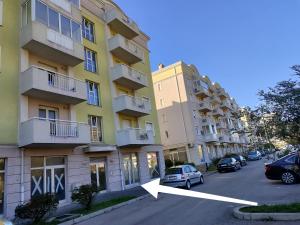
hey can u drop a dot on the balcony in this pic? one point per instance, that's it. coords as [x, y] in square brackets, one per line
[207, 121]
[221, 125]
[205, 107]
[132, 106]
[223, 138]
[225, 105]
[128, 77]
[50, 44]
[122, 24]
[125, 49]
[38, 132]
[217, 112]
[221, 93]
[215, 99]
[134, 137]
[69, 7]
[208, 138]
[39, 83]
[201, 91]
[235, 139]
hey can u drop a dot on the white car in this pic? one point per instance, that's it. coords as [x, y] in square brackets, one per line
[183, 176]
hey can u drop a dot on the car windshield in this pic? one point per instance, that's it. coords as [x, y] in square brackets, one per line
[173, 171]
[226, 160]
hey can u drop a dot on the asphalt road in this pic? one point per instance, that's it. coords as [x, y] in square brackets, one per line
[248, 184]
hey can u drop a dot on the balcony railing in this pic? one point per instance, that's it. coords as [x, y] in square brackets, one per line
[211, 138]
[49, 85]
[38, 132]
[221, 125]
[205, 107]
[132, 106]
[128, 77]
[126, 50]
[224, 138]
[217, 112]
[134, 136]
[122, 24]
[201, 91]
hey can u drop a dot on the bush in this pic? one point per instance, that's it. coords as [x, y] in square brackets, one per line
[215, 161]
[168, 163]
[37, 208]
[84, 195]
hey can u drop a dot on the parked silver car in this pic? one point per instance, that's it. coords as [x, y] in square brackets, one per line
[183, 176]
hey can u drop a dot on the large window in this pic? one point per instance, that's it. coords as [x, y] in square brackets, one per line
[131, 168]
[98, 173]
[88, 30]
[95, 123]
[90, 60]
[54, 20]
[48, 176]
[92, 93]
[153, 164]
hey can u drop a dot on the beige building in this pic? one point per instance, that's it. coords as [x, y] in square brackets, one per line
[198, 120]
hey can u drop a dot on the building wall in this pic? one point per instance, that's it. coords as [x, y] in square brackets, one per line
[9, 72]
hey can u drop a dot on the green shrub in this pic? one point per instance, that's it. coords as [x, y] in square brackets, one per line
[215, 161]
[84, 195]
[168, 163]
[37, 208]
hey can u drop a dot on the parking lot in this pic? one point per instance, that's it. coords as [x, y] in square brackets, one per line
[249, 183]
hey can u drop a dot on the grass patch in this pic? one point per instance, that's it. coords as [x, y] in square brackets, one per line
[103, 205]
[284, 208]
[212, 168]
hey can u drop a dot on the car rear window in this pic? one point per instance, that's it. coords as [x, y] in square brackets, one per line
[173, 171]
[226, 160]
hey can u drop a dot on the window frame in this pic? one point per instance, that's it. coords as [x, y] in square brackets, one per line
[99, 120]
[87, 61]
[96, 90]
[88, 33]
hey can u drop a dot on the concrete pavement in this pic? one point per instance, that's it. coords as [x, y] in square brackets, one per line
[248, 183]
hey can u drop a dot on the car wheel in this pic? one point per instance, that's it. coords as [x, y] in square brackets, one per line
[288, 178]
[201, 180]
[188, 185]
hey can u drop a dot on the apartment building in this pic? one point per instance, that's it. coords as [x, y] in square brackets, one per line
[198, 119]
[77, 100]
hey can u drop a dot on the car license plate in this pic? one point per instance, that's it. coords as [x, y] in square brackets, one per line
[172, 177]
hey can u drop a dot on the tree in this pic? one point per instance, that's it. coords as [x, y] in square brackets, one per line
[280, 109]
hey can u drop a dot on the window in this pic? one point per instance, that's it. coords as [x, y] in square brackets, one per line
[98, 173]
[291, 159]
[159, 86]
[95, 123]
[153, 164]
[198, 132]
[131, 168]
[48, 176]
[88, 30]
[41, 13]
[167, 134]
[90, 61]
[92, 93]
[26, 13]
[187, 169]
[76, 32]
[65, 26]
[194, 114]
[75, 2]
[164, 118]
[53, 20]
[161, 101]
[149, 127]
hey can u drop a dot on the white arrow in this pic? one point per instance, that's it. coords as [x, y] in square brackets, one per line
[153, 187]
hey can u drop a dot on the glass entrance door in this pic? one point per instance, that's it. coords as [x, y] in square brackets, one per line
[131, 168]
[98, 174]
[2, 169]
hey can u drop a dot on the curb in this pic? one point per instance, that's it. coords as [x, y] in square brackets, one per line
[102, 211]
[265, 216]
[209, 173]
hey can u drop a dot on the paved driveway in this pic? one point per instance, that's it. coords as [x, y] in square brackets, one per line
[248, 184]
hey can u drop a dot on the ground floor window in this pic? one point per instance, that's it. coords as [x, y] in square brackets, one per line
[131, 168]
[98, 173]
[2, 170]
[178, 156]
[153, 164]
[201, 153]
[48, 176]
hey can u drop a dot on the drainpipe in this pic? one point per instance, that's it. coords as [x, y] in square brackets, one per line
[22, 175]
[121, 171]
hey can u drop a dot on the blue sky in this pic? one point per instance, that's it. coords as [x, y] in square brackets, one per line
[245, 45]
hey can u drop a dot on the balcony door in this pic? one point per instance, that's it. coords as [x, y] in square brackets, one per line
[50, 114]
[98, 173]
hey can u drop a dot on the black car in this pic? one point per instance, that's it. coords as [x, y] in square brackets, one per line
[241, 159]
[284, 169]
[228, 164]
